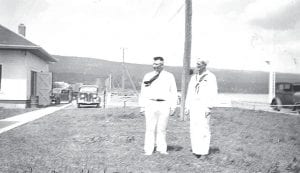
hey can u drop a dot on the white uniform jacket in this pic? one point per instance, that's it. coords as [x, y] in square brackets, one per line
[164, 88]
[202, 91]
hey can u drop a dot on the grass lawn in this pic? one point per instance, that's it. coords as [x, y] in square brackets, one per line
[81, 140]
[6, 113]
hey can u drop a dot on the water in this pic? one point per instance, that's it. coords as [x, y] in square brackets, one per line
[257, 98]
[246, 101]
[224, 100]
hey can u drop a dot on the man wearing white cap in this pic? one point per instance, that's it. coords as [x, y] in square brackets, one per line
[201, 96]
[158, 100]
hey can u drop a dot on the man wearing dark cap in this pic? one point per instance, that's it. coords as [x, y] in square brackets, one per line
[158, 100]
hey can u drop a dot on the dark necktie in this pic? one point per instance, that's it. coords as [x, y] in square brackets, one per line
[198, 83]
[148, 83]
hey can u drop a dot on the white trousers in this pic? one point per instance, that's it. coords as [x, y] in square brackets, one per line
[157, 115]
[199, 130]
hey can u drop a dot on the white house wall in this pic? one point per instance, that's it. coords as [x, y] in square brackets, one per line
[13, 82]
[34, 63]
[16, 75]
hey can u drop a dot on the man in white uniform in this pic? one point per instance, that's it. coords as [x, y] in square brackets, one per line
[201, 97]
[158, 100]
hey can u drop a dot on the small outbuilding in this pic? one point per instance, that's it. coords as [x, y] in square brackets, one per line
[25, 79]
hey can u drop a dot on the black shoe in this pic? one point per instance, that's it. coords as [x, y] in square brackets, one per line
[197, 155]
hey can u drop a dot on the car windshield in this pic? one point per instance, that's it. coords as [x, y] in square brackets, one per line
[297, 88]
[88, 89]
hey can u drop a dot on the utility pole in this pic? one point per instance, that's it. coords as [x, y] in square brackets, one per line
[123, 70]
[126, 72]
[131, 81]
[272, 80]
[272, 74]
[110, 85]
[187, 55]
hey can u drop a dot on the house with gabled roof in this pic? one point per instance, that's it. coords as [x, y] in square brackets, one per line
[25, 79]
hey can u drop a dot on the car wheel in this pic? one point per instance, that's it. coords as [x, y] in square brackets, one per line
[276, 104]
[296, 107]
[78, 105]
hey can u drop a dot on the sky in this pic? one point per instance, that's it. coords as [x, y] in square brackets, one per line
[232, 34]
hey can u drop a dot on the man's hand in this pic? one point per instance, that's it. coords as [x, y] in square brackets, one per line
[186, 111]
[172, 111]
[142, 111]
[207, 114]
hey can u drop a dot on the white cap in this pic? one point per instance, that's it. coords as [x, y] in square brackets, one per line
[202, 61]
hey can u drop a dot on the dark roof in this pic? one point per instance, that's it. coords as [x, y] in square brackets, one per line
[10, 40]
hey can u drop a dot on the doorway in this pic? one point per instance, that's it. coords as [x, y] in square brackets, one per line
[33, 83]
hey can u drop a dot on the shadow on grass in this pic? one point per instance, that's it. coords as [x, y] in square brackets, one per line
[88, 106]
[171, 148]
[174, 148]
[214, 150]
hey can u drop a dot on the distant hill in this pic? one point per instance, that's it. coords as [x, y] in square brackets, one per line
[89, 71]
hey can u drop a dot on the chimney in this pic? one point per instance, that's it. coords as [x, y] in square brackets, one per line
[22, 29]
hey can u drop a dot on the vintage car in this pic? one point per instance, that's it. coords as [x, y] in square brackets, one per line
[287, 95]
[61, 95]
[88, 95]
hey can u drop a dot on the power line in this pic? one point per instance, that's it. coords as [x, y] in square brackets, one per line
[176, 13]
[158, 8]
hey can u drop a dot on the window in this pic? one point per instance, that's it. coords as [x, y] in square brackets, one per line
[296, 88]
[280, 87]
[287, 87]
[284, 87]
[88, 89]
